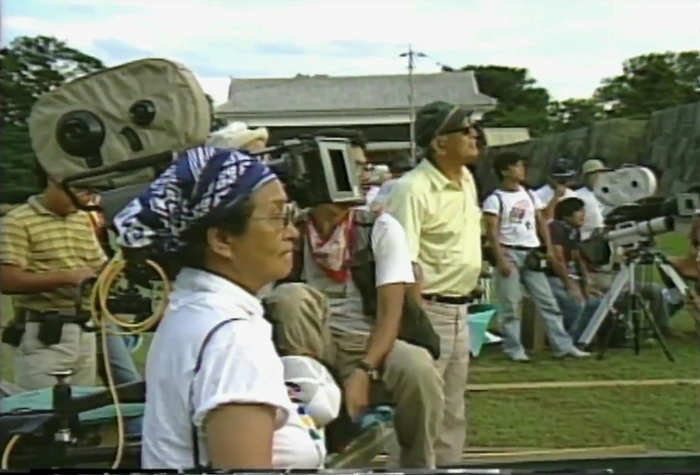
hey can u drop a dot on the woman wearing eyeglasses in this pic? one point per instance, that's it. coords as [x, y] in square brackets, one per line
[216, 396]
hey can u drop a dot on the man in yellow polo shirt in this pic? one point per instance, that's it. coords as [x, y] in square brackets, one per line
[47, 249]
[437, 205]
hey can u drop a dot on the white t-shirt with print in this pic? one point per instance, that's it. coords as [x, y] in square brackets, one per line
[546, 193]
[594, 212]
[517, 218]
[393, 265]
[240, 364]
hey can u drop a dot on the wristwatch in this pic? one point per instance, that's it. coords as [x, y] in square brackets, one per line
[369, 369]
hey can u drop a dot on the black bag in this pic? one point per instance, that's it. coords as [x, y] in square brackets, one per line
[416, 327]
[12, 334]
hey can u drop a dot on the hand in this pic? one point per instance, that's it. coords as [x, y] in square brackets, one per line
[594, 292]
[76, 277]
[576, 294]
[356, 391]
[549, 255]
[505, 268]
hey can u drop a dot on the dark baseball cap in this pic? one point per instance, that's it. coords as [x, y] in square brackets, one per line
[562, 168]
[439, 118]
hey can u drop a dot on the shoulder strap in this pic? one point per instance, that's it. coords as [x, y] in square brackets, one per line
[501, 206]
[198, 365]
[363, 221]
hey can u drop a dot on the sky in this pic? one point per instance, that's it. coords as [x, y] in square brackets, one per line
[567, 45]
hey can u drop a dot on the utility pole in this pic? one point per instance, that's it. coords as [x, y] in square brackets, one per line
[411, 55]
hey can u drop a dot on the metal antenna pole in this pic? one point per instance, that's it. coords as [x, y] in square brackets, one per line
[411, 55]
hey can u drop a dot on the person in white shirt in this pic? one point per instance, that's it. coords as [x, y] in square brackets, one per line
[398, 167]
[561, 177]
[516, 229]
[323, 313]
[216, 395]
[590, 171]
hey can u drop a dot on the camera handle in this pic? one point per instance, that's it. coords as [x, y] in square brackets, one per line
[62, 406]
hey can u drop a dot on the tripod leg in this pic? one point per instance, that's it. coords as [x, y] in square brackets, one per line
[636, 306]
[613, 317]
[657, 332]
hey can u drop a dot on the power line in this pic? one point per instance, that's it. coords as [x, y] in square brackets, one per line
[411, 55]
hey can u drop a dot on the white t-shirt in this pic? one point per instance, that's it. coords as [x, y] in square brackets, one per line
[393, 265]
[594, 212]
[516, 212]
[240, 364]
[372, 193]
[385, 191]
[546, 193]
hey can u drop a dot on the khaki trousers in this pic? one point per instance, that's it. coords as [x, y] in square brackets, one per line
[409, 375]
[449, 323]
[34, 361]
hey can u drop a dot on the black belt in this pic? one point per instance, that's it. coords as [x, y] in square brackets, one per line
[519, 248]
[67, 317]
[447, 299]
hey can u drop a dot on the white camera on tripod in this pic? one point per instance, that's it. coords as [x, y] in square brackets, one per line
[627, 185]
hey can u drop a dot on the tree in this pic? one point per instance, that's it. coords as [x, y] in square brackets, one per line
[652, 82]
[521, 103]
[30, 67]
[574, 114]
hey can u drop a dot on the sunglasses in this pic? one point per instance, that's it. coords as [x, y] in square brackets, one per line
[464, 130]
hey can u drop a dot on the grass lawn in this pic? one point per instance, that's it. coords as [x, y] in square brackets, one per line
[660, 417]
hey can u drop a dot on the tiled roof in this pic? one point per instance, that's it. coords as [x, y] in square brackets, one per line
[326, 93]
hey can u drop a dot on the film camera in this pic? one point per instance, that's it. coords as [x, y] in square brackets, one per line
[636, 214]
[636, 217]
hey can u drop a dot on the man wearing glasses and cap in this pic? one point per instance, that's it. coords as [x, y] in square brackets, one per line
[437, 205]
[562, 175]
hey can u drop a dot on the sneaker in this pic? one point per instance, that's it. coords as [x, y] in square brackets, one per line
[523, 358]
[574, 353]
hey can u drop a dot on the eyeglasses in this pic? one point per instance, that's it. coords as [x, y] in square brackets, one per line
[288, 216]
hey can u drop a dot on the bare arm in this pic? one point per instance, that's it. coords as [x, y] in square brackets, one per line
[393, 276]
[15, 280]
[390, 300]
[492, 235]
[417, 288]
[559, 265]
[581, 264]
[543, 229]
[15, 251]
[240, 436]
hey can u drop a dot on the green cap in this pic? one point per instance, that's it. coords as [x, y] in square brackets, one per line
[438, 118]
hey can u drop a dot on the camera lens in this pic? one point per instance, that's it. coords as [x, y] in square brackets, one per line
[80, 134]
[142, 113]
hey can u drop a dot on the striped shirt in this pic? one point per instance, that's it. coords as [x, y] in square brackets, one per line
[38, 241]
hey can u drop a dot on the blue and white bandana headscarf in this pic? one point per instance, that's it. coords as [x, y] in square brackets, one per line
[201, 182]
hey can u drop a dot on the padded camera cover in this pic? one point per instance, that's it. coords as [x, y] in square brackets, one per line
[182, 118]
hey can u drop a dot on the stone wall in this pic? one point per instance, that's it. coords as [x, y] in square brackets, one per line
[670, 139]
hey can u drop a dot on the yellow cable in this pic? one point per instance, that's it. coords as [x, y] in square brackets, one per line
[101, 316]
[5, 464]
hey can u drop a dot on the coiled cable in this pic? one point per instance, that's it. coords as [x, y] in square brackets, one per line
[103, 319]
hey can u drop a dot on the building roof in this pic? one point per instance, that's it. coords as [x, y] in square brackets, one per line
[316, 94]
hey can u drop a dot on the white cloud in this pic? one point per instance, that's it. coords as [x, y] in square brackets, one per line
[568, 46]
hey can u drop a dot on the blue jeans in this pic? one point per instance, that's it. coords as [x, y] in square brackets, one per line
[123, 371]
[576, 315]
[509, 296]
